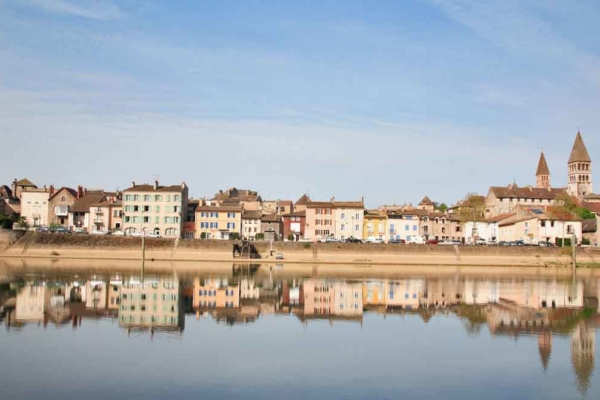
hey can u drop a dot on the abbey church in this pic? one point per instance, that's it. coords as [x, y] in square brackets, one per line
[580, 172]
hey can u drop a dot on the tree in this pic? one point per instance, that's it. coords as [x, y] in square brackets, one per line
[234, 236]
[472, 210]
[291, 237]
[203, 235]
[565, 204]
[441, 207]
[259, 236]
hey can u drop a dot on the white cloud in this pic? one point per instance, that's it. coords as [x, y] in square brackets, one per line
[93, 9]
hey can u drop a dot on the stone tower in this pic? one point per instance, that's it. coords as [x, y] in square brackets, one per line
[542, 175]
[580, 169]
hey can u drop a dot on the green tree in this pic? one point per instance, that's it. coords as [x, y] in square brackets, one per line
[259, 236]
[441, 207]
[290, 237]
[203, 235]
[584, 213]
[472, 210]
[234, 236]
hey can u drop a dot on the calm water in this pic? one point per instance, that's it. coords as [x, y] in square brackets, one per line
[261, 333]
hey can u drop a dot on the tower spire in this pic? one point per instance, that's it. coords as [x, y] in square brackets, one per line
[542, 175]
[580, 169]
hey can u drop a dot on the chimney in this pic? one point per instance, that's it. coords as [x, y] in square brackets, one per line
[183, 185]
[332, 199]
[85, 191]
[132, 183]
[51, 190]
[155, 185]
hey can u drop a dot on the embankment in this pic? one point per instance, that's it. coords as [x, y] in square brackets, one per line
[57, 246]
[8, 237]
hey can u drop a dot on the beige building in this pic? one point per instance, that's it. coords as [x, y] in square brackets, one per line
[218, 222]
[60, 203]
[349, 217]
[251, 224]
[155, 209]
[80, 215]
[301, 203]
[107, 214]
[502, 200]
[34, 206]
[248, 199]
[539, 224]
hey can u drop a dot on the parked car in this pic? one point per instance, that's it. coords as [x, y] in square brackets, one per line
[135, 234]
[397, 241]
[518, 243]
[352, 239]
[416, 240]
[279, 256]
[432, 241]
[42, 229]
[546, 244]
[374, 240]
[118, 233]
[155, 235]
[480, 242]
[78, 230]
[97, 232]
[503, 243]
[62, 229]
[304, 240]
[329, 239]
[445, 243]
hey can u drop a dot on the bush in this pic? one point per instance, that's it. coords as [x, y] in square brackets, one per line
[203, 235]
[307, 245]
[559, 242]
[290, 237]
[234, 236]
[259, 236]
[586, 241]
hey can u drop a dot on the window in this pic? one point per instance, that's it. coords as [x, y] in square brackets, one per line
[231, 225]
[168, 220]
[157, 197]
[406, 228]
[146, 220]
[136, 208]
[415, 228]
[343, 216]
[128, 197]
[214, 215]
[176, 198]
[136, 197]
[146, 197]
[146, 208]
[167, 209]
[156, 220]
[127, 219]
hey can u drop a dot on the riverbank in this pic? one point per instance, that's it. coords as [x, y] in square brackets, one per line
[88, 247]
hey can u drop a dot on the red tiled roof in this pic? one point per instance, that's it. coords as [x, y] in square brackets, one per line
[514, 192]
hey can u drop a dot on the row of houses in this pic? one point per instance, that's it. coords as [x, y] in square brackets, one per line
[527, 213]
[509, 213]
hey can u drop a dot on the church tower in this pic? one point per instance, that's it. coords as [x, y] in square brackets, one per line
[580, 169]
[542, 176]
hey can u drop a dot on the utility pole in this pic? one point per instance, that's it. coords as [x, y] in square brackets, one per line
[574, 256]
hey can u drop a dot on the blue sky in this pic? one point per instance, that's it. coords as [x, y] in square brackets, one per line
[391, 100]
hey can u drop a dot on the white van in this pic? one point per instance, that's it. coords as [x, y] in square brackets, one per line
[416, 240]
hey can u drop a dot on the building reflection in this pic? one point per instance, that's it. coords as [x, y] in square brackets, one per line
[540, 309]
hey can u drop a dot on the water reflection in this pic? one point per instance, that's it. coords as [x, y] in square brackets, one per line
[540, 308]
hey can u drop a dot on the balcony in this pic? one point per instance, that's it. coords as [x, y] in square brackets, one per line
[61, 211]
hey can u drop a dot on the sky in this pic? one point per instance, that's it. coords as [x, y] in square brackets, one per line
[390, 100]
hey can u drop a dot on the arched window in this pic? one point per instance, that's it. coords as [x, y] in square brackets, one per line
[63, 199]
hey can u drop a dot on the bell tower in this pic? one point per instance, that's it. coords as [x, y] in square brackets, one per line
[542, 175]
[580, 169]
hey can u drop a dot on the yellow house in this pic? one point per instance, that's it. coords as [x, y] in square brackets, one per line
[218, 222]
[375, 225]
